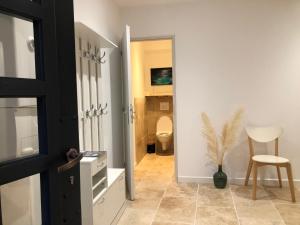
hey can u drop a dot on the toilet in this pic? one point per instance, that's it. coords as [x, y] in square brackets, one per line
[164, 130]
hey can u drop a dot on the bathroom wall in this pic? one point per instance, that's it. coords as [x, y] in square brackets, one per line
[144, 56]
[138, 92]
[229, 53]
[140, 132]
[153, 113]
[157, 54]
[103, 16]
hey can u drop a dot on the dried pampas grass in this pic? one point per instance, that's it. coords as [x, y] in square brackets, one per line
[231, 130]
[212, 141]
[228, 139]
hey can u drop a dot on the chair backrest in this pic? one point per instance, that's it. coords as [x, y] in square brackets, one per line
[263, 135]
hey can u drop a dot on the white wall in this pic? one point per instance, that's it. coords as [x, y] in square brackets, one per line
[103, 16]
[230, 53]
[157, 54]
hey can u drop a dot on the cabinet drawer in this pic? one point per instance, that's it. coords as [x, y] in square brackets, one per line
[99, 164]
[119, 191]
[107, 207]
[100, 215]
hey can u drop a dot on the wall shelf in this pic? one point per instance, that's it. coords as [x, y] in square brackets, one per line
[89, 34]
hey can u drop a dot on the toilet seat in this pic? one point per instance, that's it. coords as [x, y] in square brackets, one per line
[164, 130]
[164, 134]
[164, 125]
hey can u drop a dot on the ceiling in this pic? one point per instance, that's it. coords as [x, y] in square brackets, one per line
[125, 3]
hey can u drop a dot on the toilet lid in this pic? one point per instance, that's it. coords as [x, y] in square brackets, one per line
[164, 125]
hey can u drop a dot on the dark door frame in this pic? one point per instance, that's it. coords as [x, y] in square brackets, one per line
[55, 90]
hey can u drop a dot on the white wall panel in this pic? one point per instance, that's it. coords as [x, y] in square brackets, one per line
[100, 103]
[79, 92]
[94, 102]
[230, 53]
[86, 102]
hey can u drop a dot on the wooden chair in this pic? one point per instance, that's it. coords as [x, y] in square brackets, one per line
[264, 135]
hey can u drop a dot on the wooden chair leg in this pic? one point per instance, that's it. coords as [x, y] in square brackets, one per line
[254, 180]
[248, 172]
[291, 181]
[279, 176]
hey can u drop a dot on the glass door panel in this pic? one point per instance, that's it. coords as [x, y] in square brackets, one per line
[18, 128]
[17, 56]
[21, 202]
[38, 114]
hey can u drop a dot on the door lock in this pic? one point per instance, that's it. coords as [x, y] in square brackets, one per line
[72, 180]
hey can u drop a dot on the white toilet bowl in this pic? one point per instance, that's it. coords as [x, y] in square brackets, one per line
[164, 130]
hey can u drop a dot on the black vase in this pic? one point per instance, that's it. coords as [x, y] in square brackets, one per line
[220, 178]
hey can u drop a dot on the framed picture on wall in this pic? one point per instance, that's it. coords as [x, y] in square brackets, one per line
[161, 76]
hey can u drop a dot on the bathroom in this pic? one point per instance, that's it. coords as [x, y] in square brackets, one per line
[153, 104]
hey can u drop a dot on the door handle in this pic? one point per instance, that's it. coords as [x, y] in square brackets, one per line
[73, 158]
[132, 113]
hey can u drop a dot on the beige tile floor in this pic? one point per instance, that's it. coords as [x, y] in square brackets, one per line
[161, 201]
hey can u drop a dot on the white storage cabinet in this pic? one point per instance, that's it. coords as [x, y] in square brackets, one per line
[103, 196]
[110, 206]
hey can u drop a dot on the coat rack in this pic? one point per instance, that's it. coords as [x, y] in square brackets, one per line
[92, 51]
[88, 54]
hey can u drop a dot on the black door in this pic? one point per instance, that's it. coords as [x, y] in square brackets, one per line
[39, 163]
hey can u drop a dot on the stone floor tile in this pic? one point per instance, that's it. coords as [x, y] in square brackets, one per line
[216, 215]
[242, 195]
[282, 195]
[170, 223]
[290, 213]
[161, 201]
[208, 195]
[253, 221]
[182, 190]
[262, 211]
[137, 217]
[174, 209]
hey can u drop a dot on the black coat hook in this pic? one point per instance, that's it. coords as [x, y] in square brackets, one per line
[102, 57]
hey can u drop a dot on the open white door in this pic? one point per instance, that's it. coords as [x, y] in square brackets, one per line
[128, 114]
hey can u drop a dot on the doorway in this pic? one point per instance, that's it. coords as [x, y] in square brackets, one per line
[152, 70]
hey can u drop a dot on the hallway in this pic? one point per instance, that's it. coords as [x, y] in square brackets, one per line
[160, 201]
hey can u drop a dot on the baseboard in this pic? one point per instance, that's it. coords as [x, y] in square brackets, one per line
[267, 181]
[200, 180]
[203, 180]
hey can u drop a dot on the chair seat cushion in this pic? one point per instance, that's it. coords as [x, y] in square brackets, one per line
[269, 159]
